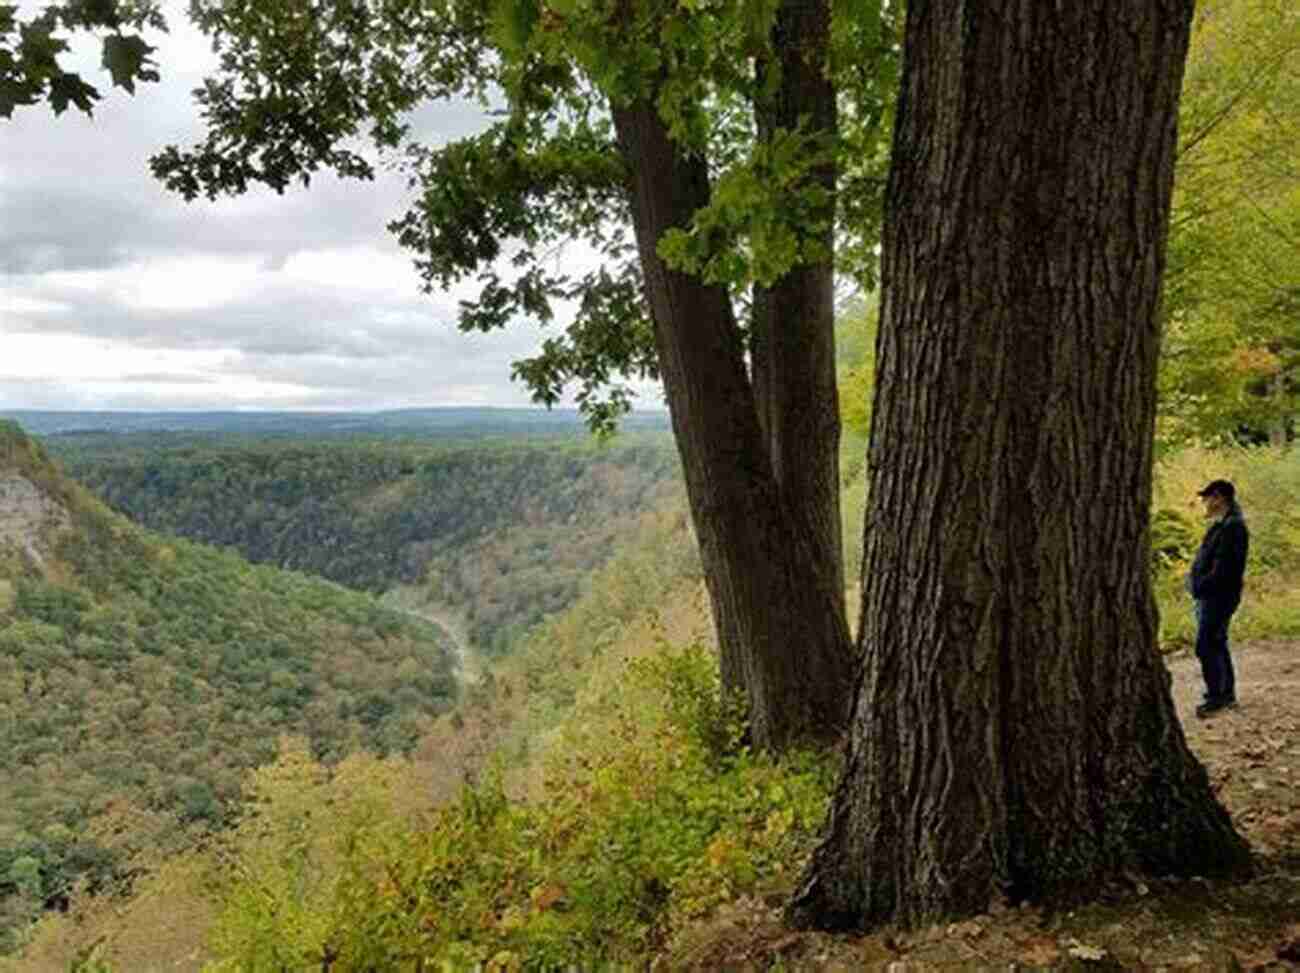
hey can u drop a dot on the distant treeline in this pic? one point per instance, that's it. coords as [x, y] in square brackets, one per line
[503, 531]
[441, 423]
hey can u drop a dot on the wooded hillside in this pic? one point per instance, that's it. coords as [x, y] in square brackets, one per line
[141, 677]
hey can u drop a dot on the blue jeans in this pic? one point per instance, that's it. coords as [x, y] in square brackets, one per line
[1212, 620]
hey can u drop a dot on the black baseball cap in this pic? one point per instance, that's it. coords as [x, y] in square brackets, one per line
[1219, 488]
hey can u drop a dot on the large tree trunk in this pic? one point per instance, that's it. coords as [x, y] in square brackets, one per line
[1014, 733]
[793, 347]
[772, 581]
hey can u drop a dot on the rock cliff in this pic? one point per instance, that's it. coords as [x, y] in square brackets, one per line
[29, 516]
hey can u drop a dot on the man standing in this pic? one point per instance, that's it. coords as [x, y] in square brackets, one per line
[1215, 583]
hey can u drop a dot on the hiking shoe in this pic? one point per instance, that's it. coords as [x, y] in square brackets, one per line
[1230, 701]
[1206, 710]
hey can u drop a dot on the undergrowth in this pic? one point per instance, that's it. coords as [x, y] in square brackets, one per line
[661, 817]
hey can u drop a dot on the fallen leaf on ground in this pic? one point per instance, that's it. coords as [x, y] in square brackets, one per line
[1258, 960]
[785, 942]
[967, 930]
[1289, 948]
[1041, 953]
[1083, 951]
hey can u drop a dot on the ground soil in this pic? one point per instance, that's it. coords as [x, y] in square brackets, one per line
[1253, 756]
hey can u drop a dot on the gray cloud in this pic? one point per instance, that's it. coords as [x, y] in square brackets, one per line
[284, 316]
[92, 247]
[106, 209]
[166, 378]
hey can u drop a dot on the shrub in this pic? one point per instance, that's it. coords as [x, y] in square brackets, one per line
[1174, 538]
[694, 702]
[664, 816]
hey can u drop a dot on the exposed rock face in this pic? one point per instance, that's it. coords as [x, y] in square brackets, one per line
[28, 518]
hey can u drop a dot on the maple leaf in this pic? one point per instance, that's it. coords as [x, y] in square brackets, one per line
[126, 57]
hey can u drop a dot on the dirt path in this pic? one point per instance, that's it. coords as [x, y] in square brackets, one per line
[1252, 754]
[455, 630]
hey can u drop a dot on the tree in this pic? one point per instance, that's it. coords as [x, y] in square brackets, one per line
[1014, 734]
[30, 52]
[740, 140]
[1231, 357]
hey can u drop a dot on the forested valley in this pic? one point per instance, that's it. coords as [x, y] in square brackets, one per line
[497, 533]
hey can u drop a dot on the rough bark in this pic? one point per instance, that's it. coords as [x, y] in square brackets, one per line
[777, 607]
[1013, 733]
[793, 351]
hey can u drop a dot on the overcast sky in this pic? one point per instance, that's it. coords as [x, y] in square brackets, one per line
[117, 295]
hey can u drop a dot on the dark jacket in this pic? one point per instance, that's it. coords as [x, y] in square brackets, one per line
[1220, 564]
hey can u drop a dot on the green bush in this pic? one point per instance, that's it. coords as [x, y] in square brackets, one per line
[695, 703]
[1174, 538]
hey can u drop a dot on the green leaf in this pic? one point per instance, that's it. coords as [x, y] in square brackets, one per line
[514, 22]
[125, 58]
[97, 13]
[69, 88]
[16, 93]
[39, 48]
